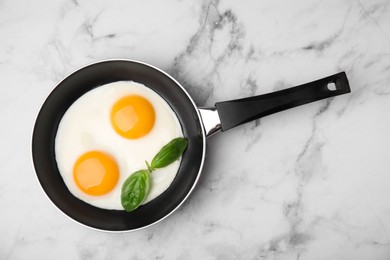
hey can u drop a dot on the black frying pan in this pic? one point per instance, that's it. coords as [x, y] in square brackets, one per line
[196, 123]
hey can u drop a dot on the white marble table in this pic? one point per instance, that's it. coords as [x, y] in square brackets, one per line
[309, 183]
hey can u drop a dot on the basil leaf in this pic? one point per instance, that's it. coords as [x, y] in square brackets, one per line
[135, 189]
[169, 153]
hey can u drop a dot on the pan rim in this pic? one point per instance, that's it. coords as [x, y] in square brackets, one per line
[198, 116]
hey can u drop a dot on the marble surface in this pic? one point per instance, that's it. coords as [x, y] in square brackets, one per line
[308, 183]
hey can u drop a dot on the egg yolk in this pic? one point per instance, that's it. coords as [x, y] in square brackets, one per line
[96, 173]
[132, 116]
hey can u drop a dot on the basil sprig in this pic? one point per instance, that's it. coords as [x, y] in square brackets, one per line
[137, 186]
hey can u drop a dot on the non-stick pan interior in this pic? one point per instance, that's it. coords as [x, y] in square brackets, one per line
[74, 86]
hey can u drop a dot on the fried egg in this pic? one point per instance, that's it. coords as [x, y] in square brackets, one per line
[109, 133]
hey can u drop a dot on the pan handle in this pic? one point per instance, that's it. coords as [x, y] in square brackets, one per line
[236, 112]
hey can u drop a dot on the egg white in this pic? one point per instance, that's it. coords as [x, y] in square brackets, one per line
[86, 126]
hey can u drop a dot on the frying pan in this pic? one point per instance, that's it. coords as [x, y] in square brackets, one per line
[197, 124]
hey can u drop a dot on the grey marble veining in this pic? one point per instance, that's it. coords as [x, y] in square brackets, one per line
[307, 183]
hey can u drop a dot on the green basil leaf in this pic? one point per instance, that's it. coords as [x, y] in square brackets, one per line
[135, 189]
[169, 153]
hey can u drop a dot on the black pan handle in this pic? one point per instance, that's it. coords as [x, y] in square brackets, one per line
[236, 112]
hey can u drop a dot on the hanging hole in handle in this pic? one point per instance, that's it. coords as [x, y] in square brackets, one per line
[331, 86]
